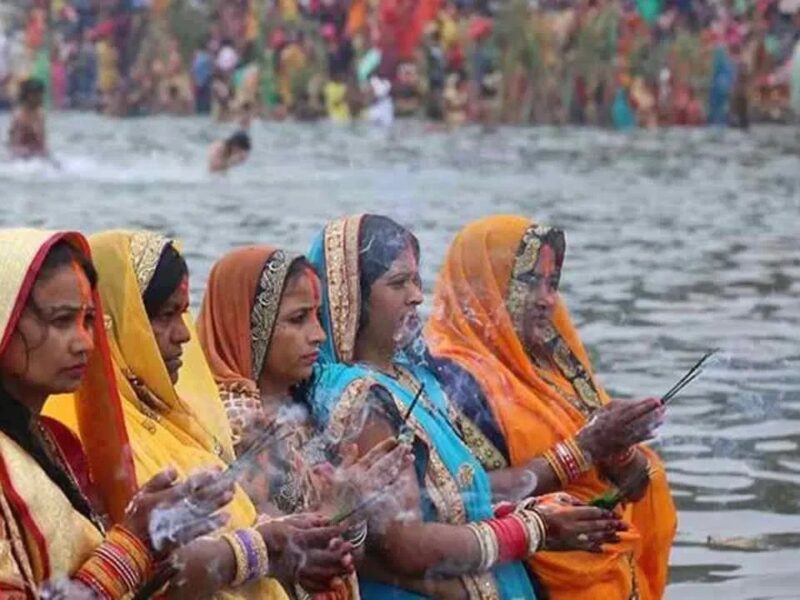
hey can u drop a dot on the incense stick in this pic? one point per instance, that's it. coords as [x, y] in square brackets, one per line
[687, 378]
[167, 571]
[413, 403]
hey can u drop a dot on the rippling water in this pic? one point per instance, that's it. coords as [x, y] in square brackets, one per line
[678, 241]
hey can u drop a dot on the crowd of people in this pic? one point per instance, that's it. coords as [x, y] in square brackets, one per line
[307, 436]
[624, 63]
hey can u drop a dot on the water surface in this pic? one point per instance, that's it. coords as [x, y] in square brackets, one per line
[678, 241]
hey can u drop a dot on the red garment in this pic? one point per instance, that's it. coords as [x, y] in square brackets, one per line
[403, 22]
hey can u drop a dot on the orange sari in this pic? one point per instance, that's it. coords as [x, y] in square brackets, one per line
[477, 304]
[41, 535]
[235, 327]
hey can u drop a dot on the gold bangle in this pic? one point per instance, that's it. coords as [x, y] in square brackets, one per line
[538, 520]
[241, 559]
[260, 547]
[134, 548]
[487, 543]
[558, 469]
[583, 461]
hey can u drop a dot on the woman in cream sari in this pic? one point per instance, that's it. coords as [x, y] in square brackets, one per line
[56, 497]
[174, 416]
[502, 337]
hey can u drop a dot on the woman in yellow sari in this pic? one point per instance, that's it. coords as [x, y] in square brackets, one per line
[499, 326]
[174, 416]
[56, 497]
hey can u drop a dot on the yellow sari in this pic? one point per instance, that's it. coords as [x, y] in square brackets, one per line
[41, 535]
[476, 315]
[182, 426]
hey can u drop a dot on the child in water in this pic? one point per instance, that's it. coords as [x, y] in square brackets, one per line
[229, 153]
[26, 137]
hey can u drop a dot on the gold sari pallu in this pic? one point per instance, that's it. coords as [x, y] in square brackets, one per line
[41, 535]
[477, 308]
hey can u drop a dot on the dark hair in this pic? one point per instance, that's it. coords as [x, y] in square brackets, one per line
[16, 421]
[380, 242]
[556, 240]
[29, 87]
[62, 254]
[240, 140]
[169, 273]
[297, 267]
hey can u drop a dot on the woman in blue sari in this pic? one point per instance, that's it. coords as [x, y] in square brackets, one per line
[441, 535]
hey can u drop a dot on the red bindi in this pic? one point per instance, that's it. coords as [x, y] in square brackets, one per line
[315, 285]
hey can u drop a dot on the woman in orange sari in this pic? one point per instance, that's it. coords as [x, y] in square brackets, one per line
[502, 334]
[56, 497]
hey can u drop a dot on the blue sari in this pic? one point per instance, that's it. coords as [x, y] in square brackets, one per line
[456, 485]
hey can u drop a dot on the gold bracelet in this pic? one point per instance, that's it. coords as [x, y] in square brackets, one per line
[558, 469]
[241, 559]
[583, 461]
[260, 547]
[134, 548]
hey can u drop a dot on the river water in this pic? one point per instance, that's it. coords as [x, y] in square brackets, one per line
[678, 242]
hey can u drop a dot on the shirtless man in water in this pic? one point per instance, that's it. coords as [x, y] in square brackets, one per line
[26, 137]
[229, 153]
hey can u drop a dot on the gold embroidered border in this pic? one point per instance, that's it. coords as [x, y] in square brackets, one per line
[348, 407]
[18, 554]
[145, 252]
[265, 308]
[587, 400]
[481, 446]
[481, 587]
[341, 265]
[442, 487]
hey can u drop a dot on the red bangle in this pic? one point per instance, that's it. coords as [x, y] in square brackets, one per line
[512, 539]
[503, 509]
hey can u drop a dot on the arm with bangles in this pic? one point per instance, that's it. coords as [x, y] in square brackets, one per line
[397, 531]
[608, 441]
[418, 549]
[298, 549]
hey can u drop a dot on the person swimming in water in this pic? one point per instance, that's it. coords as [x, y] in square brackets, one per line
[229, 153]
[26, 136]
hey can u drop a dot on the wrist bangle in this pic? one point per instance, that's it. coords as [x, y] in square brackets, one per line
[240, 557]
[356, 535]
[512, 538]
[250, 552]
[567, 461]
[118, 566]
[487, 544]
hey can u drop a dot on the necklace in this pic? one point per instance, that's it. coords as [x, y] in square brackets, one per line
[57, 457]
